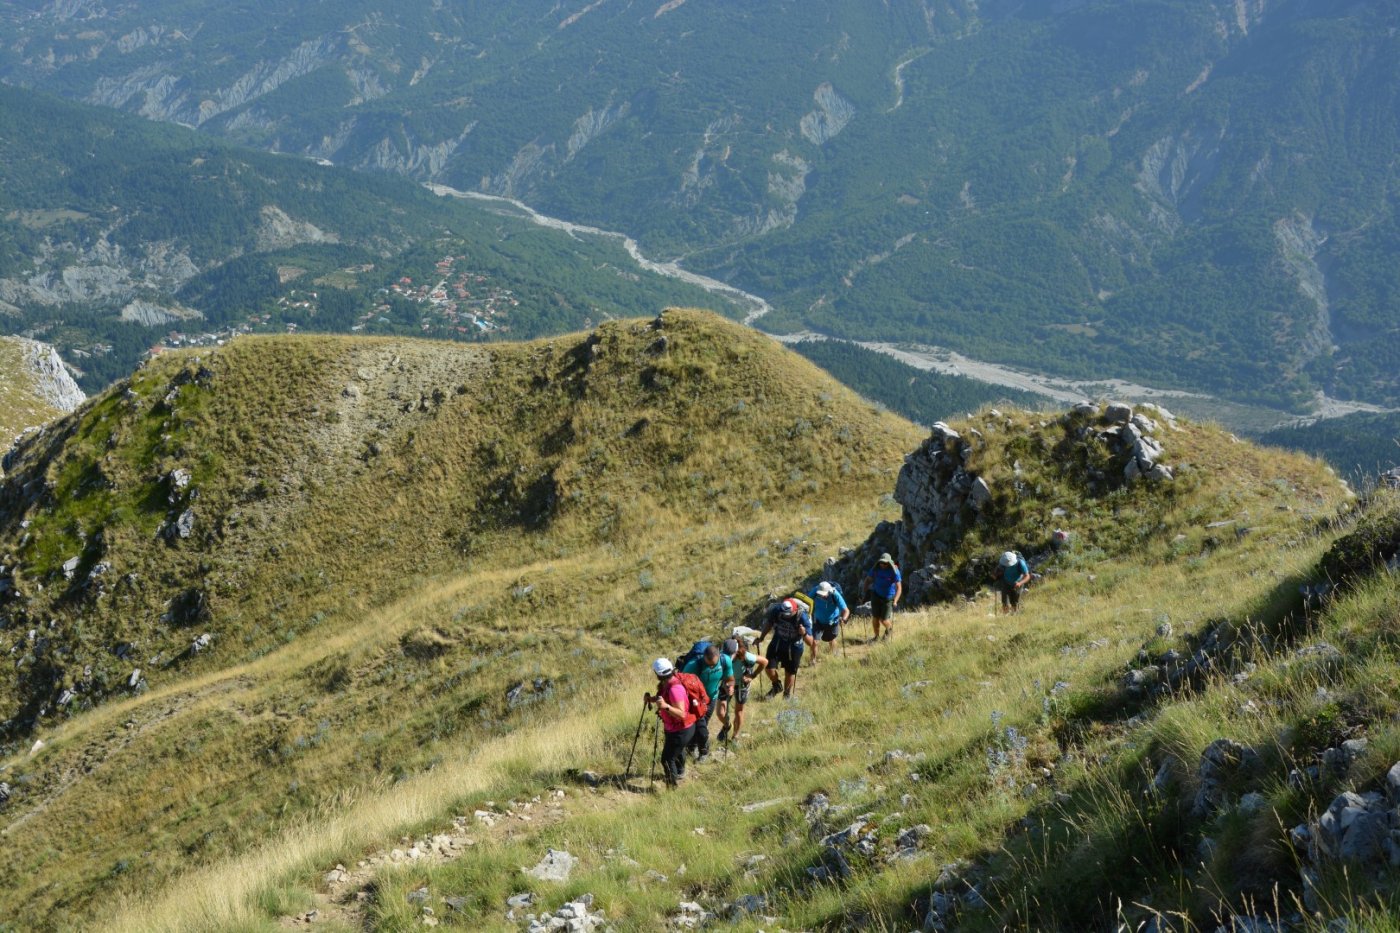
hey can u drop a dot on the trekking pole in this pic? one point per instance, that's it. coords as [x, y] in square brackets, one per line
[640, 720]
[655, 744]
[842, 632]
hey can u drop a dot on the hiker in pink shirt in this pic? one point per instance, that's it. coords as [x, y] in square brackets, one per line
[673, 706]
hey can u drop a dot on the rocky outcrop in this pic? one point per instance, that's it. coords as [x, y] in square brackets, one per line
[944, 493]
[49, 376]
[832, 115]
[1359, 831]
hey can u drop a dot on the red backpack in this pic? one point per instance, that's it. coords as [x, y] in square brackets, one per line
[699, 699]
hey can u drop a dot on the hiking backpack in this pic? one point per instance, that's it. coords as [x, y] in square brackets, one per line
[804, 599]
[699, 699]
[696, 651]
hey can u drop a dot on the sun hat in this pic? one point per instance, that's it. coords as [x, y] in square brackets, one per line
[662, 667]
[885, 558]
[825, 589]
[1008, 558]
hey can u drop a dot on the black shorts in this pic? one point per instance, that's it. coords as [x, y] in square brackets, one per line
[827, 632]
[741, 691]
[788, 654]
[1010, 593]
[880, 608]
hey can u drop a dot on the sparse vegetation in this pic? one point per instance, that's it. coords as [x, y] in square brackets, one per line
[1054, 787]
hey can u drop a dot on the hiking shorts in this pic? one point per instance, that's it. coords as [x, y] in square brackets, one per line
[741, 693]
[880, 608]
[827, 632]
[787, 654]
[1010, 594]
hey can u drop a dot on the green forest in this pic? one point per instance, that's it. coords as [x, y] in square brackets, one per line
[919, 395]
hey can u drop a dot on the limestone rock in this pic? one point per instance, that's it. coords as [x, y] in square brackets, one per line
[1118, 413]
[555, 866]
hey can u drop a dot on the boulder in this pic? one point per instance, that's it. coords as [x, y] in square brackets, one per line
[555, 866]
[1118, 413]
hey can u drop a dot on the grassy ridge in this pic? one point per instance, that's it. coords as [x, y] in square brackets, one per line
[1024, 758]
[581, 500]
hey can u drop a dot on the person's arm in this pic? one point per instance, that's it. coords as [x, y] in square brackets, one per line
[841, 601]
[760, 664]
[898, 592]
[806, 623]
[1025, 575]
[669, 707]
[726, 686]
[767, 627]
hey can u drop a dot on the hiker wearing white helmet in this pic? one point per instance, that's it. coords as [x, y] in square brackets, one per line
[885, 586]
[672, 703]
[1014, 574]
[829, 610]
[791, 626]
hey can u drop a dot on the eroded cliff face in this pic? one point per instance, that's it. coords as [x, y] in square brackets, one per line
[35, 387]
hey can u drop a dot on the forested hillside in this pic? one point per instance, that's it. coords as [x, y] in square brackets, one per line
[118, 234]
[1196, 193]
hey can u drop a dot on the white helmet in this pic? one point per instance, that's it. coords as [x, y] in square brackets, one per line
[1008, 559]
[662, 667]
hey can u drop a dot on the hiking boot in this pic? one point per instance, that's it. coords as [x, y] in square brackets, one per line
[723, 734]
[702, 758]
[775, 690]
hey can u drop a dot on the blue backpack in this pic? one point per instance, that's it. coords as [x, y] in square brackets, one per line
[696, 651]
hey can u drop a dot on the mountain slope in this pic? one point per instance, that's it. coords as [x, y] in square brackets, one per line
[116, 234]
[978, 772]
[397, 549]
[1196, 193]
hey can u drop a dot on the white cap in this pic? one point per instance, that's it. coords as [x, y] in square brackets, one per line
[662, 667]
[1008, 558]
[825, 589]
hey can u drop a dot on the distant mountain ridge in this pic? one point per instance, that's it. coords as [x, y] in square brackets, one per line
[1194, 193]
[116, 232]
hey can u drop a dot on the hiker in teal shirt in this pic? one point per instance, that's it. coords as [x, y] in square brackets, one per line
[716, 673]
[1015, 574]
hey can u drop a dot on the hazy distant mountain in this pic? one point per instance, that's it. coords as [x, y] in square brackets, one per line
[1196, 192]
[117, 233]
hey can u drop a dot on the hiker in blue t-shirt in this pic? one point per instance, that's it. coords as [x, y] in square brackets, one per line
[1015, 574]
[885, 586]
[828, 612]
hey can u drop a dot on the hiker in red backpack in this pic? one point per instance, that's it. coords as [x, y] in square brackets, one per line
[677, 720]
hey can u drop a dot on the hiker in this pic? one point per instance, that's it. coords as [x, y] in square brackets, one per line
[1015, 574]
[885, 586]
[746, 666]
[716, 672]
[790, 625]
[829, 610]
[673, 706]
